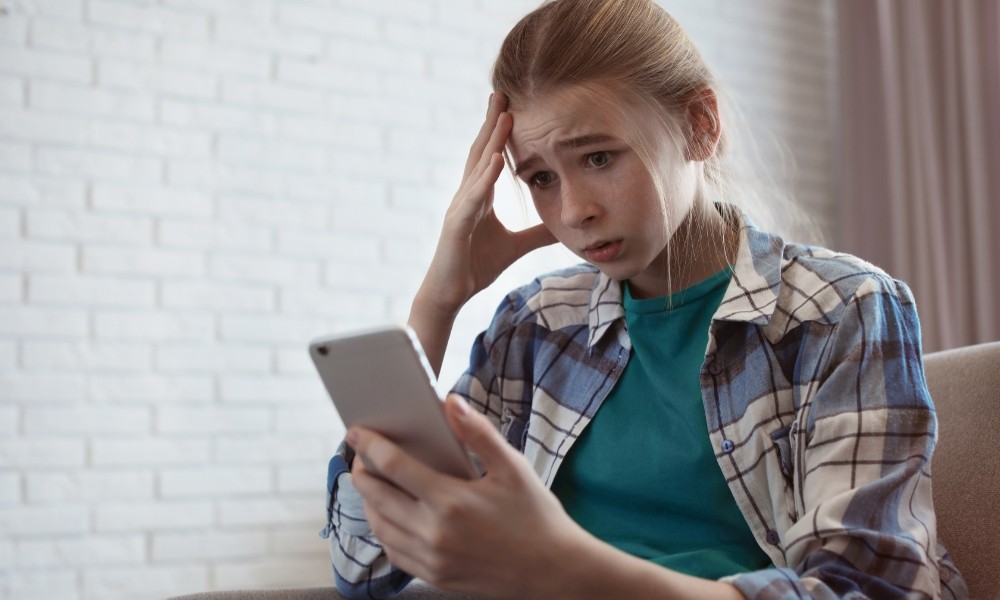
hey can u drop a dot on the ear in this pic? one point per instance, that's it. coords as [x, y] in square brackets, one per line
[703, 124]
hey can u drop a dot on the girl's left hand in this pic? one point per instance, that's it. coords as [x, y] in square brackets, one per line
[504, 535]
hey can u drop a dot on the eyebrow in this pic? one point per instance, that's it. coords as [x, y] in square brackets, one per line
[573, 142]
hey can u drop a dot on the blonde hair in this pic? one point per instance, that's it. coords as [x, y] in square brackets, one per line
[635, 49]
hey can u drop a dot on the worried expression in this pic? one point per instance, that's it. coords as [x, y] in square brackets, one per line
[590, 186]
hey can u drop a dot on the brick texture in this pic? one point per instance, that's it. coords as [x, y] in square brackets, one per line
[191, 190]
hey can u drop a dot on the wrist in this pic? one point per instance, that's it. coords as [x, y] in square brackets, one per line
[570, 567]
[432, 322]
[591, 568]
[433, 307]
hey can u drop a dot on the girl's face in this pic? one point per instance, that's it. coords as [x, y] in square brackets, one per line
[593, 192]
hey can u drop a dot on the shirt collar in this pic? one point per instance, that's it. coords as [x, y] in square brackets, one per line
[751, 297]
[606, 307]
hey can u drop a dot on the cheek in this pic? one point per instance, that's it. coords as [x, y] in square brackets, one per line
[639, 198]
[548, 212]
[666, 210]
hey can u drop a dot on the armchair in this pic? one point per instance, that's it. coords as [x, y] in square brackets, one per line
[965, 385]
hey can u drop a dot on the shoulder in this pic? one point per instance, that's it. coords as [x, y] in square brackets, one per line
[781, 285]
[541, 318]
[818, 284]
[554, 299]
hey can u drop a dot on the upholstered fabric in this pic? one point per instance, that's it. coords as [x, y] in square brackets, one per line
[415, 591]
[299, 594]
[965, 386]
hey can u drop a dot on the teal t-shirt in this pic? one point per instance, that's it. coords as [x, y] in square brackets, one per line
[643, 476]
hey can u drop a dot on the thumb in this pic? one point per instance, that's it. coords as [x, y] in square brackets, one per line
[478, 434]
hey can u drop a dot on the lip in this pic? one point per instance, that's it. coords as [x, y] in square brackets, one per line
[603, 251]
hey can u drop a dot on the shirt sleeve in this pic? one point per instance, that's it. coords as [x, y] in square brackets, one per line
[492, 378]
[861, 446]
[361, 568]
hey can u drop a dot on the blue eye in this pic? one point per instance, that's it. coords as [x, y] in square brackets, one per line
[599, 159]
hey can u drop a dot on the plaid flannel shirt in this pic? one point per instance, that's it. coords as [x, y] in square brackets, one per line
[816, 403]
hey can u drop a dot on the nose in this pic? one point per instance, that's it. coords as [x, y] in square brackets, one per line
[578, 204]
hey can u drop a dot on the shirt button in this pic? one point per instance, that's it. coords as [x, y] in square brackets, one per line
[772, 537]
[728, 446]
[714, 367]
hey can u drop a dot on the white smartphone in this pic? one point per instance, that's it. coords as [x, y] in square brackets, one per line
[380, 379]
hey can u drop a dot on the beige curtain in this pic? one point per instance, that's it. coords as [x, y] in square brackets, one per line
[920, 155]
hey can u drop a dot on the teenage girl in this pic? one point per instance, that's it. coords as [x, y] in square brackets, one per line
[700, 410]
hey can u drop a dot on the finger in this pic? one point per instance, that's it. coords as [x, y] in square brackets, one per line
[479, 194]
[478, 434]
[373, 486]
[393, 464]
[400, 543]
[397, 520]
[495, 145]
[384, 504]
[497, 104]
[498, 138]
[404, 550]
[482, 176]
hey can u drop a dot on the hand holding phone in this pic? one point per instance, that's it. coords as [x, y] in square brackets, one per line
[381, 380]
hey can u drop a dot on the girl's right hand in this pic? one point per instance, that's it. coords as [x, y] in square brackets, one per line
[475, 247]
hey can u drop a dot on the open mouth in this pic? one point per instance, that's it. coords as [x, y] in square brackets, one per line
[603, 251]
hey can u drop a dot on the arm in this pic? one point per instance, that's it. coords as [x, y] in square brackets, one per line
[473, 249]
[869, 535]
[864, 521]
[502, 536]
[474, 246]
[360, 566]
[358, 558]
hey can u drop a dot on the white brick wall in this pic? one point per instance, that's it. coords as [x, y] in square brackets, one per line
[190, 190]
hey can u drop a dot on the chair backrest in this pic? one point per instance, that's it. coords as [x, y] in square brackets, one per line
[965, 386]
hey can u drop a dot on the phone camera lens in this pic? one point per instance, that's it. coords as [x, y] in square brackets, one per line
[322, 350]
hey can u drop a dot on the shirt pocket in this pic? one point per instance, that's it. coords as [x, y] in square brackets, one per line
[513, 428]
[783, 445]
[783, 440]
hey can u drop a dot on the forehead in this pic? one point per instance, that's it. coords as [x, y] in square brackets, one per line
[564, 113]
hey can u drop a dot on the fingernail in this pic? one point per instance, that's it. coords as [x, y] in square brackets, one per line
[490, 103]
[352, 437]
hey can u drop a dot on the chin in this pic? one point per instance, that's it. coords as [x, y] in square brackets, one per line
[615, 271]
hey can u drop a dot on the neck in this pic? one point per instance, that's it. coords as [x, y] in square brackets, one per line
[702, 246]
